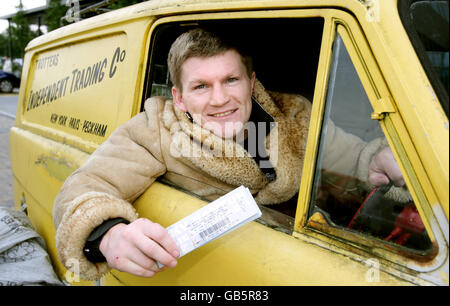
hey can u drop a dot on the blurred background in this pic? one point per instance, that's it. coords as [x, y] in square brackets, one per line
[23, 20]
[20, 22]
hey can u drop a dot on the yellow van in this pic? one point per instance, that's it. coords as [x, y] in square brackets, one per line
[376, 68]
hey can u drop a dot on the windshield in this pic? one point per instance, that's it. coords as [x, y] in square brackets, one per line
[427, 25]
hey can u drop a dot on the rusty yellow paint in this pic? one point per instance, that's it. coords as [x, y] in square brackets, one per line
[43, 167]
[59, 168]
[42, 222]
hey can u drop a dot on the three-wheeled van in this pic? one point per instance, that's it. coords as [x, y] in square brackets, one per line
[375, 68]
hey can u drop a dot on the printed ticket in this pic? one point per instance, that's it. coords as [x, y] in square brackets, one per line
[214, 220]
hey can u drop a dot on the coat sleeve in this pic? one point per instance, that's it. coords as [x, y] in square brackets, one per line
[118, 172]
[349, 155]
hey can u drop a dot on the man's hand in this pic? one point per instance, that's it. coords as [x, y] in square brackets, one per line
[383, 168]
[136, 247]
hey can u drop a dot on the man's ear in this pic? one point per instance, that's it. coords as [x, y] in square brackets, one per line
[178, 99]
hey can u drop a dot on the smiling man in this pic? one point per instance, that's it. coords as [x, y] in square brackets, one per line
[219, 99]
[241, 134]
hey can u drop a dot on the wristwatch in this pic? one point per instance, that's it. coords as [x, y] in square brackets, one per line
[92, 247]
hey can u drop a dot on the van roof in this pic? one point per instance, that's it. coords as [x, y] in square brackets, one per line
[161, 8]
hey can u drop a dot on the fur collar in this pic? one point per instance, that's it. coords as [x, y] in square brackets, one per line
[229, 162]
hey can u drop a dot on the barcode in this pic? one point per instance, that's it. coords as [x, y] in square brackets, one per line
[213, 228]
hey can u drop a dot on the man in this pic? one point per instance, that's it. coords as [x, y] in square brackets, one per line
[200, 141]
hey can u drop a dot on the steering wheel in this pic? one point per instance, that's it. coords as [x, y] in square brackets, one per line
[387, 219]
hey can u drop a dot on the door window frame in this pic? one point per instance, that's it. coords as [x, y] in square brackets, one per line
[391, 122]
[281, 221]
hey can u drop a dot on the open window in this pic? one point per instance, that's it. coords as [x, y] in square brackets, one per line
[285, 53]
[281, 62]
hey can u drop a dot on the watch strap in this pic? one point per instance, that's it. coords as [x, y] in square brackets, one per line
[92, 247]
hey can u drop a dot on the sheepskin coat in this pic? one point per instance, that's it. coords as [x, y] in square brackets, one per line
[162, 141]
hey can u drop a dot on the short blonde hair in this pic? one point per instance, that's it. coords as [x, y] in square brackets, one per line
[199, 43]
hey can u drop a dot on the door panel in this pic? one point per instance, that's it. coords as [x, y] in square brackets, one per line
[251, 255]
[39, 172]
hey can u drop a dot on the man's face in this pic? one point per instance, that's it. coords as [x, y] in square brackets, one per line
[217, 92]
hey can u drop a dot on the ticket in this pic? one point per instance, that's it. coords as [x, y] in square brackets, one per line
[214, 220]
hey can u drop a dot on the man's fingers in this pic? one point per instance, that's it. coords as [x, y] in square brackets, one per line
[397, 181]
[378, 179]
[390, 167]
[384, 168]
[139, 258]
[160, 235]
[125, 264]
[394, 173]
[153, 250]
[160, 246]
